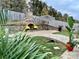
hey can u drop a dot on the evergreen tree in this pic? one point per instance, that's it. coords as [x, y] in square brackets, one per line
[14, 5]
[65, 16]
[44, 10]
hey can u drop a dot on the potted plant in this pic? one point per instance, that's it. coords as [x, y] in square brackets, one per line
[70, 45]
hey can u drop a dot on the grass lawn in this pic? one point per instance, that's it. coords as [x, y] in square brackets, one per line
[48, 46]
[65, 32]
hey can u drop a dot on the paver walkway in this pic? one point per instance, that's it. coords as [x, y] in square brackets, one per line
[49, 34]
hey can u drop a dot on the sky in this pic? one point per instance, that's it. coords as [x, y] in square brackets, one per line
[71, 7]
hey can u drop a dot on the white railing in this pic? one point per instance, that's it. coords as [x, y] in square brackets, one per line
[12, 15]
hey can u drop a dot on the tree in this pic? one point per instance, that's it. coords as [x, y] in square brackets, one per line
[44, 10]
[50, 11]
[36, 7]
[65, 17]
[14, 5]
[59, 16]
[39, 8]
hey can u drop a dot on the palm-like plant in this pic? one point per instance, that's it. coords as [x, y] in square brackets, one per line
[3, 20]
[70, 45]
[19, 47]
[3, 16]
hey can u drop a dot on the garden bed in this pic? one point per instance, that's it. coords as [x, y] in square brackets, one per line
[49, 46]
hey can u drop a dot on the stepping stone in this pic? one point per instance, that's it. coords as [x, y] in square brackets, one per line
[11, 35]
[56, 48]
